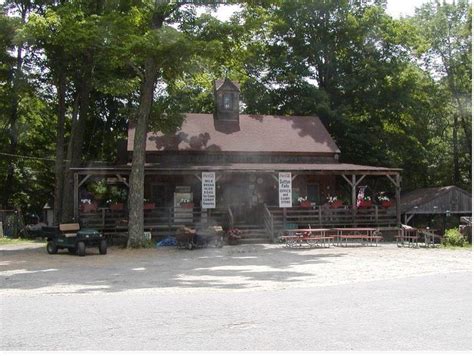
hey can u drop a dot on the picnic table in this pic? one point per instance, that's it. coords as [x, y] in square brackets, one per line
[310, 237]
[365, 235]
[410, 237]
[407, 236]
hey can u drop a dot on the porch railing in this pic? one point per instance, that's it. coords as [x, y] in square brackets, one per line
[159, 220]
[327, 217]
[268, 222]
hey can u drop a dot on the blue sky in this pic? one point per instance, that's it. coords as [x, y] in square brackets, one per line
[396, 8]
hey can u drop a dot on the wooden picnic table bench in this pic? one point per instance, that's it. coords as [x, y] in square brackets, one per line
[311, 237]
[410, 237]
[364, 235]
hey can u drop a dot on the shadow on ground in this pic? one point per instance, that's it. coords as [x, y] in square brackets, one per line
[232, 267]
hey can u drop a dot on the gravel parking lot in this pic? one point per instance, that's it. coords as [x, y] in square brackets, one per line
[28, 269]
[245, 297]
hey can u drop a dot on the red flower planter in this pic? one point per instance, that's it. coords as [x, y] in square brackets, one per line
[305, 204]
[117, 206]
[89, 208]
[386, 203]
[187, 205]
[336, 204]
[148, 206]
[365, 203]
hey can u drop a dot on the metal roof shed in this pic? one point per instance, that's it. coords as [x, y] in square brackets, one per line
[436, 201]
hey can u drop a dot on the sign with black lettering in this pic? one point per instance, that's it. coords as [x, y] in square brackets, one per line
[208, 181]
[284, 189]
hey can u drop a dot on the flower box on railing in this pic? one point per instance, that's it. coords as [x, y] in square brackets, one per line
[186, 205]
[364, 204]
[88, 207]
[305, 204]
[148, 206]
[117, 206]
[336, 204]
[386, 204]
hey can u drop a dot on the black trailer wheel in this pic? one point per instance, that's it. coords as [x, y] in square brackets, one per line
[51, 248]
[72, 250]
[103, 247]
[190, 246]
[81, 248]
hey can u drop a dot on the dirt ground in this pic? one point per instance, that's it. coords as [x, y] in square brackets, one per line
[27, 269]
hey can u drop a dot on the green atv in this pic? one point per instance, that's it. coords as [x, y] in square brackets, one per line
[75, 239]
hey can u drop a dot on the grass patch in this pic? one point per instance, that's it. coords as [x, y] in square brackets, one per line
[466, 246]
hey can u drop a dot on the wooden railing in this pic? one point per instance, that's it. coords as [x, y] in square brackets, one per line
[159, 220]
[326, 217]
[231, 217]
[268, 222]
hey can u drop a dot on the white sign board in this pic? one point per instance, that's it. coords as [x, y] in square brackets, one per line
[208, 181]
[284, 189]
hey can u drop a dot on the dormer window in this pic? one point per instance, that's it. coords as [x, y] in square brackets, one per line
[227, 101]
[226, 96]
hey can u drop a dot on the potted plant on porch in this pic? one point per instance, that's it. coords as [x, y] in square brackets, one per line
[147, 205]
[365, 202]
[117, 199]
[304, 202]
[233, 236]
[88, 206]
[186, 204]
[385, 201]
[335, 202]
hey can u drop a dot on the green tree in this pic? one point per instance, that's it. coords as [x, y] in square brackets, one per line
[446, 50]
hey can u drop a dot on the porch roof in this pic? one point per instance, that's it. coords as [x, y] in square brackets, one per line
[314, 168]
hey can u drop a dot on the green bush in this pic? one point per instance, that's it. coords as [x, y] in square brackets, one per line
[453, 237]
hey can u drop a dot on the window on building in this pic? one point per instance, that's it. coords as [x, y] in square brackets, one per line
[313, 193]
[227, 101]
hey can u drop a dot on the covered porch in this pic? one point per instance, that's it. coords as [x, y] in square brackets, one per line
[246, 197]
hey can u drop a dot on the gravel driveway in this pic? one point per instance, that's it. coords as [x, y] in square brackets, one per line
[28, 270]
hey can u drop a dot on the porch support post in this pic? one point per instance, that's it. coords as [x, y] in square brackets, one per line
[397, 197]
[76, 197]
[354, 198]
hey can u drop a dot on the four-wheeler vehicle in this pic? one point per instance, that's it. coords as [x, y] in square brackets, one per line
[75, 239]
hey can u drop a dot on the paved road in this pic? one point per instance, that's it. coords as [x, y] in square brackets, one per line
[418, 313]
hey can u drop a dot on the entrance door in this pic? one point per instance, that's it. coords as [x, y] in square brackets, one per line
[241, 199]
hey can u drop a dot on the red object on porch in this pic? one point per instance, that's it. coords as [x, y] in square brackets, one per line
[187, 205]
[117, 206]
[305, 204]
[89, 208]
[148, 206]
[364, 204]
[386, 204]
[336, 204]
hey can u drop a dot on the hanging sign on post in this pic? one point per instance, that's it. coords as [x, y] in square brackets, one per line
[208, 190]
[284, 189]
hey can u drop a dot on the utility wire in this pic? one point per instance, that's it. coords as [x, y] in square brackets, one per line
[27, 157]
[41, 158]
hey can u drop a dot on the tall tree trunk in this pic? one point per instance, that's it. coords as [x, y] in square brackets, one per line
[74, 154]
[13, 124]
[59, 165]
[456, 169]
[137, 174]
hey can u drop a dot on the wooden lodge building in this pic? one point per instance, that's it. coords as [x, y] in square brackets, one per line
[244, 155]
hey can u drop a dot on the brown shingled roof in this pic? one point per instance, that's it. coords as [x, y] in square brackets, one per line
[253, 133]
